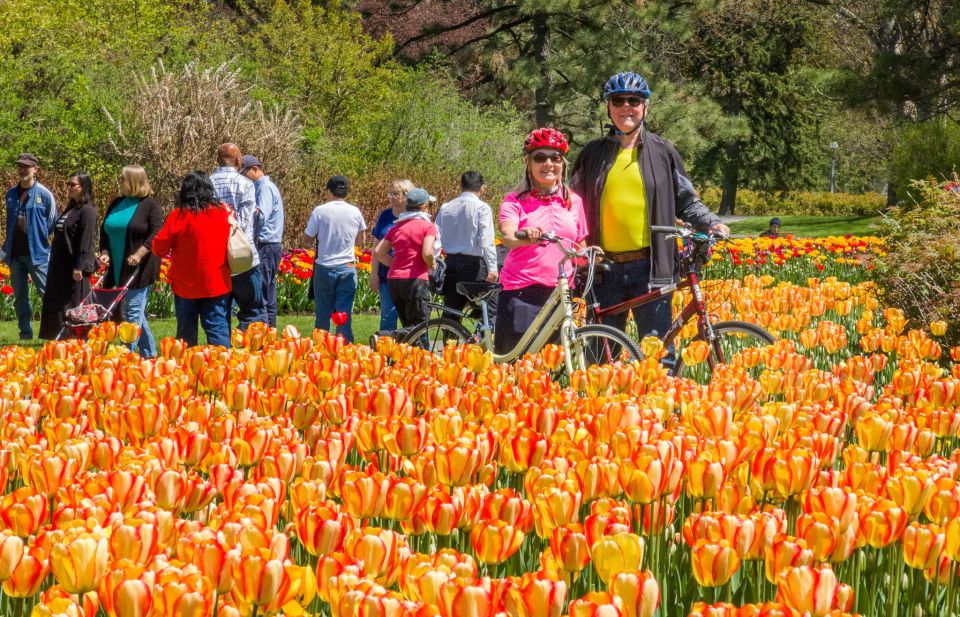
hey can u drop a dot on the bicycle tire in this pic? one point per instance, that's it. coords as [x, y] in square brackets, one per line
[435, 334]
[605, 344]
[732, 336]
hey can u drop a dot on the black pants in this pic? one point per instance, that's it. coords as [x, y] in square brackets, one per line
[516, 310]
[410, 296]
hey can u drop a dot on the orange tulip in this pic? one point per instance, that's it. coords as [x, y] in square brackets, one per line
[27, 575]
[267, 584]
[181, 591]
[569, 545]
[713, 563]
[638, 592]
[695, 353]
[535, 595]
[209, 552]
[127, 589]
[80, 560]
[322, 528]
[495, 541]
[883, 524]
[380, 551]
[406, 436]
[135, 540]
[785, 552]
[922, 545]
[363, 495]
[812, 591]
[508, 506]
[704, 478]
[596, 604]
[819, 531]
[23, 511]
[555, 507]
[463, 598]
[440, 512]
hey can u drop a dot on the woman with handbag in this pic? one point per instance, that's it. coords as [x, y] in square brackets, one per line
[195, 235]
[412, 239]
[129, 226]
[72, 257]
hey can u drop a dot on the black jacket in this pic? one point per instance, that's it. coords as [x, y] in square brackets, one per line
[669, 194]
[146, 222]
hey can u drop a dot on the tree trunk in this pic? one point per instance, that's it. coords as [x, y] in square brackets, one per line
[543, 94]
[730, 179]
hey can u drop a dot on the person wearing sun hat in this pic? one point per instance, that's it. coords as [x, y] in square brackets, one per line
[31, 218]
[542, 203]
[412, 239]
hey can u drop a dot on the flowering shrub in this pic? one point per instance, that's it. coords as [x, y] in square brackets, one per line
[292, 474]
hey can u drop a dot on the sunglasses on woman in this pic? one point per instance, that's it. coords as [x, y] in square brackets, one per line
[632, 101]
[542, 157]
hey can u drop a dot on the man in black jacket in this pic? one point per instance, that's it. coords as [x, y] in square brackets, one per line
[629, 180]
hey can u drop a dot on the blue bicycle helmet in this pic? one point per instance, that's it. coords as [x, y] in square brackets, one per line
[626, 83]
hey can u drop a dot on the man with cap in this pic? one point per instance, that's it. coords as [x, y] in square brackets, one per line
[335, 227]
[237, 191]
[774, 230]
[268, 230]
[31, 217]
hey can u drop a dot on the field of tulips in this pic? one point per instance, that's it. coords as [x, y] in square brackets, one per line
[299, 475]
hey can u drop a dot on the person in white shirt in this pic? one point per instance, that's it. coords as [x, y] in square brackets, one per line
[336, 226]
[466, 232]
[238, 192]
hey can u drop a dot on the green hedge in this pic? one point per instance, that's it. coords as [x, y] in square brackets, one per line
[755, 203]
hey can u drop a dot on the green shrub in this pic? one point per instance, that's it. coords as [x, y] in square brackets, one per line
[919, 274]
[756, 203]
[929, 149]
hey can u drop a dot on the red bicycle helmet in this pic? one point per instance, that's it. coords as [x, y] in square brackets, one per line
[546, 138]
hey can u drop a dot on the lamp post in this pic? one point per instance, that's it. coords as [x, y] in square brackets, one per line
[833, 166]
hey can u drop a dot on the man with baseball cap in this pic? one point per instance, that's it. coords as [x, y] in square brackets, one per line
[238, 192]
[335, 227]
[31, 217]
[268, 231]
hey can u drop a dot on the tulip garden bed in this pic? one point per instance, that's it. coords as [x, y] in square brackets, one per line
[295, 474]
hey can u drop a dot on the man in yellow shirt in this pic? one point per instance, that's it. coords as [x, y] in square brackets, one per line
[629, 180]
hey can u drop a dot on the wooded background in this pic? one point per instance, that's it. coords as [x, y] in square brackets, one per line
[751, 91]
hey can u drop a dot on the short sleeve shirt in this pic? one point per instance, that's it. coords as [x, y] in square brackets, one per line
[407, 238]
[536, 264]
[335, 225]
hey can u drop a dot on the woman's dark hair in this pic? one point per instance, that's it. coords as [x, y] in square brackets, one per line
[196, 192]
[86, 189]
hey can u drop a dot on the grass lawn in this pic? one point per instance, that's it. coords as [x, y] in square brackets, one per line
[363, 326]
[810, 226]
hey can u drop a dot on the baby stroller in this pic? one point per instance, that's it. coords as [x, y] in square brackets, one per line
[95, 309]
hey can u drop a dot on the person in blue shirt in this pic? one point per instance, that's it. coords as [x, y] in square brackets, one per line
[31, 217]
[268, 231]
[397, 198]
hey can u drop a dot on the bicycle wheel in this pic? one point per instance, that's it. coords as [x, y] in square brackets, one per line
[732, 337]
[602, 344]
[435, 334]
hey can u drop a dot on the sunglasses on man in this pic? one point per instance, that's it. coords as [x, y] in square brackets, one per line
[632, 101]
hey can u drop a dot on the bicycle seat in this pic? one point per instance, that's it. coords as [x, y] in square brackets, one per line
[475, 291]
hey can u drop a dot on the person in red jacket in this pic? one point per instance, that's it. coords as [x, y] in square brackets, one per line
[195, 235]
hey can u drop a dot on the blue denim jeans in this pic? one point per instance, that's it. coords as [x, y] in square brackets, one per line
[248, 295]
[627, 281]
[388, 310]
[20, 267]
[212, 314]
[134, 310]
[334, 289]
[270, 256]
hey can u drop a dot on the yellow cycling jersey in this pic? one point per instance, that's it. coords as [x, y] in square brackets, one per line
[623, 206]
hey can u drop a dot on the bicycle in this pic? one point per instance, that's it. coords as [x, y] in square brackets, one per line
[583, 346]
[724, 338]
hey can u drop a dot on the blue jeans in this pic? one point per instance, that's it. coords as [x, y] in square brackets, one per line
[388, 310]
[248, 295]
[627, 281]
[334, 289]
[270, 256]
[212, 313]
[135, 311]
[20, 267]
